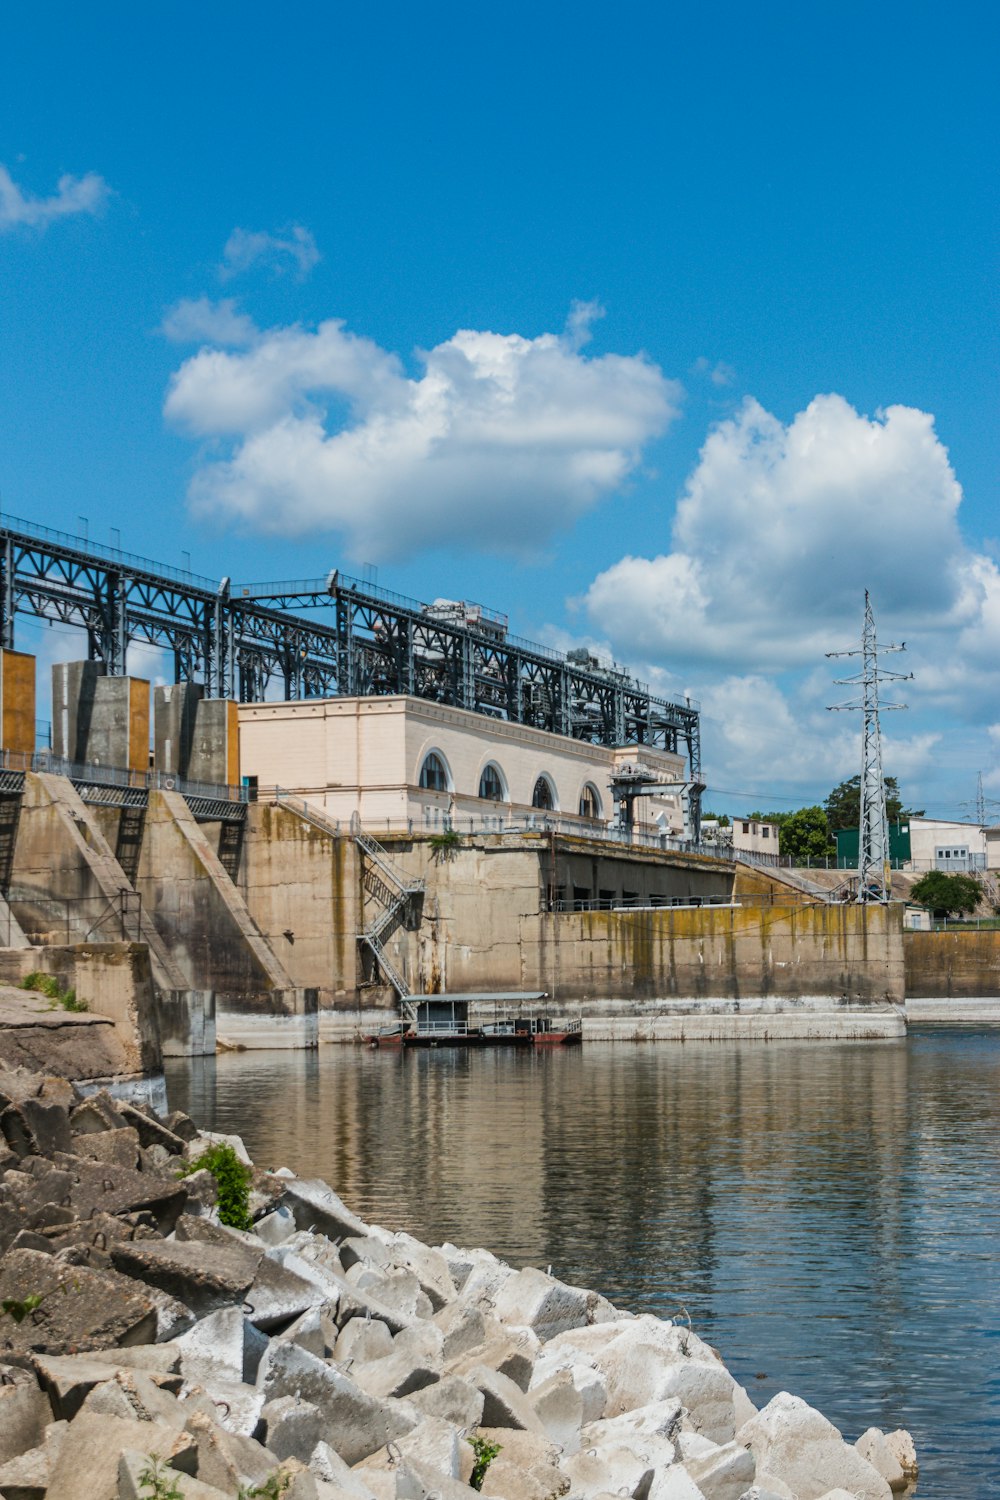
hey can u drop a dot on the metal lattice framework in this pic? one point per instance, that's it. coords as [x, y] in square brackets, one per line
[874, 874]
[239, 641]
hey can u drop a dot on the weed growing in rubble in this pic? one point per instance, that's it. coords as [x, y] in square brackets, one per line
[158, 1482]
[485, 1452]
[272, 1488]
[19, 1308]
[232, 1183]
[48, 985]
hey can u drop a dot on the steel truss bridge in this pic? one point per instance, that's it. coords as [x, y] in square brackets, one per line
[360, 640]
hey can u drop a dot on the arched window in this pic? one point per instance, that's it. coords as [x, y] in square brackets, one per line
[491, 787]
[542, 796]
[433, 774]
[590, 802]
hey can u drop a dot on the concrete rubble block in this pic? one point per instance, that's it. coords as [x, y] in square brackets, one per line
[97, 1112]
[363, 1340]
[292, 1427]
[417, 1481]
[453, 1398]
[276, 1227]
[158, 1359]
[87, 1465]
[133, 1464]
[201, 1279]
[512, 1354]
[434, 1444]
[79, 1309]
[233, 1404]
[773, 1489]
[226, 1459]
[397, 1289]
[277, 1296]
[117, 1190]
[151, 1130]
[316, 1206]
[206, 1138]
[797, 1444]
[361, 1422]
[26, 1475]
[24, 1412]
[459, 1262]
[526, 1468]
[724, 1474]
[485, 1279]
[621, 1468]
[462, 1326]
[36, 1128]
[600, 1310]
[366, 1250]
[559, 1407]
[504, 1403]
[355, 1302]
[661, 1419]
[396, 1375]
[313, 1330]
[69, 1379]
[901, 1446]
[428, 1265]
[223, 1345]
[328, 1466]
[874, 1446]
[674, 1483]
[115, 1148]
[423, 1341]
[203, 1193]
[531, 1298]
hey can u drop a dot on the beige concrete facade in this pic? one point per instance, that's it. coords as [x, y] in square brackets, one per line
[369, 756]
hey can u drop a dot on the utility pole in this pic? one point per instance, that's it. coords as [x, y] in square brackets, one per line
[874, 877]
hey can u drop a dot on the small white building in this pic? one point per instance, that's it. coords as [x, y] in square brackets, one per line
[397, 762]
[745, 835]
[937, 844]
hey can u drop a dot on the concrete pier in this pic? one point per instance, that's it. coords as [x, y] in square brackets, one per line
[99, 720]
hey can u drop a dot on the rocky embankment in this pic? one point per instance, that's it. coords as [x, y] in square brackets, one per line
[148, 1352]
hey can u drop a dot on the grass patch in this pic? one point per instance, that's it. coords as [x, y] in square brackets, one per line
[49, 986]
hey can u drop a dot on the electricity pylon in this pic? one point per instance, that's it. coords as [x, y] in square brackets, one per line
[874, 875]
[982, 805]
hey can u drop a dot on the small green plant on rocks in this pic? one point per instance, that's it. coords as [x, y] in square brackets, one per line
[158, 1482]
[232, 1182]
[485, 1452]
[273, 1487]
[48, 985]
[19, 1308]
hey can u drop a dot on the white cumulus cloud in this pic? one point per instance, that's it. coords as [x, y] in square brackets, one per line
[73, 195]
[497, 442]
[292, 249]
[781, 528]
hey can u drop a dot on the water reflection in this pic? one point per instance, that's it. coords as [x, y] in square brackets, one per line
[825, 1213]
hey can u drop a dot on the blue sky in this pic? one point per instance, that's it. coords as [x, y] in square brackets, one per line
[664, 330]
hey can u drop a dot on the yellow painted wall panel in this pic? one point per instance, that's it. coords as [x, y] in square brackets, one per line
[17, 702]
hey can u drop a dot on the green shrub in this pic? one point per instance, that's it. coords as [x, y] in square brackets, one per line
[232, 1183]
[273, 1487]
[159, 1482]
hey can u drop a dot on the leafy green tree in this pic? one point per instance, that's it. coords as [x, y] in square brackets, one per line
[843, 806]
[945, 893]
[721, 818]
[805, 836]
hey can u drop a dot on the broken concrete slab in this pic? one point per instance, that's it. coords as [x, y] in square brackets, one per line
[534, 1300]
[504, 1403]
[229, 1460]
[724, 1474]
[78, 1308]
[87, 1465]
[314, 1205]
[222, 1345]
[453, 1398]
[363, 1423]
[135, 1467]
[363, 1340]
[292, 1427]
[69, 1379]
[186, 1270]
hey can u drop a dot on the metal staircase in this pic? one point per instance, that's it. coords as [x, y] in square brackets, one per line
[396, 895]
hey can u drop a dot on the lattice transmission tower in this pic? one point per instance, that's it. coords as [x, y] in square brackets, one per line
[874, 876]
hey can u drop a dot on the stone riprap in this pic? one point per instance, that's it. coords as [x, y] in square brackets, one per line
[322, 1358]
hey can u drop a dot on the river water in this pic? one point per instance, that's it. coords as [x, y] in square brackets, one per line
[827, 1214]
